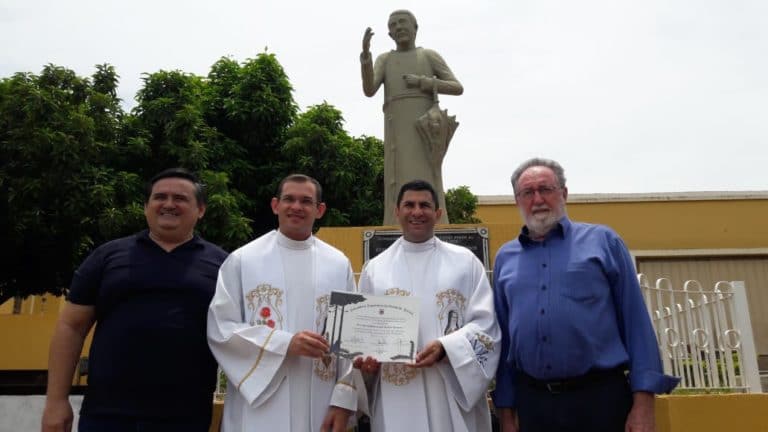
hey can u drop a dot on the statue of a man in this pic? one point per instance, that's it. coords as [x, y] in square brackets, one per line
[412, 78]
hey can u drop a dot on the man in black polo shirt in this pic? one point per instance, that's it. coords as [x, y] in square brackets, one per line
[150, 367]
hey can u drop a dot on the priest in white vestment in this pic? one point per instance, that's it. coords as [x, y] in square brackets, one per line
[459, 338]
[266, 325]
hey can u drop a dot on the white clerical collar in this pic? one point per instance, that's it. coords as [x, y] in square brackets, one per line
[289, 243]
[420, 247]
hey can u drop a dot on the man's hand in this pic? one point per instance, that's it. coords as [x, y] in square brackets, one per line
[335, 420]
[642, 416]
[431, 354]
[369, 366]
[308, 344]
[367, 40]
[412, 80]
[57, 416]
[507, 419]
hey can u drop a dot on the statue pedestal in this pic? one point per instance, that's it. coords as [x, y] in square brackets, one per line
[475, 239]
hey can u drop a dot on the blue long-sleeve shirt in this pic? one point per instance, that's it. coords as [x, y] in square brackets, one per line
[570, 304]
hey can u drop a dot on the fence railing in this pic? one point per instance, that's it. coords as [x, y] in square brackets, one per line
[705, 336]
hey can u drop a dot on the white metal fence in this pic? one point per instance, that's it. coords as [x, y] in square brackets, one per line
[705, 336]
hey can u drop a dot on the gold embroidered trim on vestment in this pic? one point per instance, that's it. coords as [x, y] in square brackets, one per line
[398, 374]
[347, 384]
[325, 367]
[397, 292]
[258, 359]
[264, 302]
[451, 305]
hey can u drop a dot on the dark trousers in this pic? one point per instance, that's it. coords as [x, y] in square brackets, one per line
[599, 405]
[132, 424]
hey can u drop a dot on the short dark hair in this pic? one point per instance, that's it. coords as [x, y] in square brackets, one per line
[542, 162]
[301, 178]
[178, 173]
[418, 185]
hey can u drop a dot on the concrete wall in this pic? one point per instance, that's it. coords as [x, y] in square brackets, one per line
[23, 413]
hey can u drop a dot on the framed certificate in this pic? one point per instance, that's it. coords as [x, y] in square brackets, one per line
[383, 327]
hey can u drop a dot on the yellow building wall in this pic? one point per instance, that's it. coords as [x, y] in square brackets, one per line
[706, 224]
[33, 304]
[644, 225]
[25, 337]
[712, 413]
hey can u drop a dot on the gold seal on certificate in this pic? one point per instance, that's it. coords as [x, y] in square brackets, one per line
[383, 327]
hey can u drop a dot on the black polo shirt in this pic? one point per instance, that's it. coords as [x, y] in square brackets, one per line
[149, 357]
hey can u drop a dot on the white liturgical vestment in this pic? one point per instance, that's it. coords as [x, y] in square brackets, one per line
[456, 309]
[267, 291]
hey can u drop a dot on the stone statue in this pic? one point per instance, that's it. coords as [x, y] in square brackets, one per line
[416, 131]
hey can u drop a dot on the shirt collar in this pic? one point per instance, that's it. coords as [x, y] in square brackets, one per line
[143, 237]
[562, 229]
[289, 243]
[195, 241]
[419, 247]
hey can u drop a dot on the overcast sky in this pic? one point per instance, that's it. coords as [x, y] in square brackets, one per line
[629, 95]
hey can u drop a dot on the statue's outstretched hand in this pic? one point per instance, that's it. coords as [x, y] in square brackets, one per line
[367, 40]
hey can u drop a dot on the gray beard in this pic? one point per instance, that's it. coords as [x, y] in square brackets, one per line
[538, 228]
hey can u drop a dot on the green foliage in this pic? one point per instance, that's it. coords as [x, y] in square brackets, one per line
[170, 119]
[461, 204]
[73, 164]
[58, 193]
[700, 391]
[224, 223]
[221, 387]
[251, 105]
[171, 126]
[350, 169]
[690, 364]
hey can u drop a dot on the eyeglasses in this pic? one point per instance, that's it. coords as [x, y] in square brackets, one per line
[544, 192]
[290, 200]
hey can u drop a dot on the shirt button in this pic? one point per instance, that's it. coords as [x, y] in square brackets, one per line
[549, 367]
[544, 338]
[543, 287]
[541, 311]
[544, 265]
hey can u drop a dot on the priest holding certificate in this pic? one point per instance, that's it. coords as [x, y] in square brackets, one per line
[457, 349]
[266, 325]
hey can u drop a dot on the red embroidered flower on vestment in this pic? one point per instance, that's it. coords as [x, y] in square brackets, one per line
[271, 324]
[265, 312]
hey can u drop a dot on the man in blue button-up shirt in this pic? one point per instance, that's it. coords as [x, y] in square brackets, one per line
[573, 321]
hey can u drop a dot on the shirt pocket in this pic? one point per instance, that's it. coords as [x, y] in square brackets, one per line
[583, 283]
